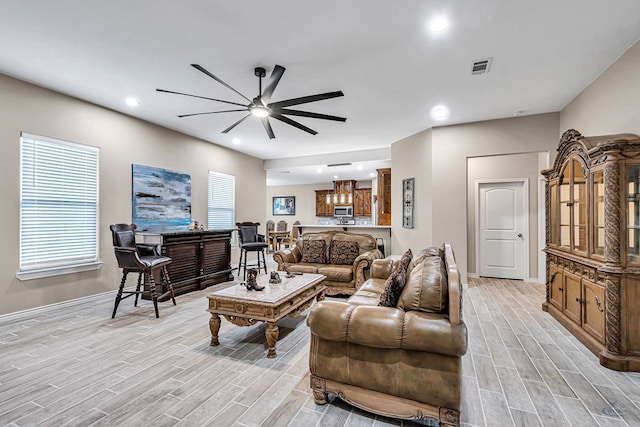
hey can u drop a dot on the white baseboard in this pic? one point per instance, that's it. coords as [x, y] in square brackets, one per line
[44, 308]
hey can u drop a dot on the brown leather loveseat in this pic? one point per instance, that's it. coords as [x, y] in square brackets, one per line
[402, 361]
[343, 257]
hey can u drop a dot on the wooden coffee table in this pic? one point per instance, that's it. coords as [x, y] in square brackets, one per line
[245, 308]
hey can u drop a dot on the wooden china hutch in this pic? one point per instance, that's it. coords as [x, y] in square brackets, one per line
[593, 244]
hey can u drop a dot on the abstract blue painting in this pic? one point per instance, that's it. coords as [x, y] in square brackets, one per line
[161, 199]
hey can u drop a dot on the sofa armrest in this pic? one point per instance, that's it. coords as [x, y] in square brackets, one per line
[381, 268]
[362, 264]
[287, 256]
[387, 327]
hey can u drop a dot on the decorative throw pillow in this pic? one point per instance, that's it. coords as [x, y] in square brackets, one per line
[395, 282]
[343, 252]
[314, 251]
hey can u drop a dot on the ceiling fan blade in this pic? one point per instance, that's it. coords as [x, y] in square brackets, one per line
[293, 123]
[274, 79]
[305, 99]
[267, 127]
[201, 97]
[311, 115]
[202, 69]
[236, 123]
[210, 112]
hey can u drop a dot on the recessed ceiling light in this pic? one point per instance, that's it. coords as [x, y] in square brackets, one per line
[372, 174]
[438, 24]
[359, 167]
[236, 141]
[319, 170]
[440, 112]
[335, 176]
[132, 102]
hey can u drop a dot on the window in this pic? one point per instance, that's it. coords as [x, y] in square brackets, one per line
[58, 207]
[221, 201]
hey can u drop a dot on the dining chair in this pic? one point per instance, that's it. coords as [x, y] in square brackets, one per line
[270, 243]
[290, 240]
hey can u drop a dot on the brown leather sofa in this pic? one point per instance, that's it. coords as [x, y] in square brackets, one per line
[402, 362]
[343, 257]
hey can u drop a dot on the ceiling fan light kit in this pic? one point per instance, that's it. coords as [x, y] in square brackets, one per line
[261, 106]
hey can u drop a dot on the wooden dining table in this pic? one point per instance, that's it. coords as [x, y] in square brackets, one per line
[276, 237]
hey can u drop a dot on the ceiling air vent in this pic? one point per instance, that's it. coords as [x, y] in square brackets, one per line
[481, 66]
[333, 165]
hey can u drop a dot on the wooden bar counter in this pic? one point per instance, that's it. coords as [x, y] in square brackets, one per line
[201, 258]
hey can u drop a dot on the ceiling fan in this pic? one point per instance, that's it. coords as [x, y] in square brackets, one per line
[262, 107]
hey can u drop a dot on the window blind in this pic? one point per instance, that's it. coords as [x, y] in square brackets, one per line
[221, 201]
[58, 203]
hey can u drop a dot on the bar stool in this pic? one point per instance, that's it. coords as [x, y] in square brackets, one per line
[251, 241]
[142, 259]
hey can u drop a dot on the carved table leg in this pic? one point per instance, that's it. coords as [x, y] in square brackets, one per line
[272, 336]
[214, 326]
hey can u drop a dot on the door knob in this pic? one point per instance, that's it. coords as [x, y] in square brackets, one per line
[520, 235]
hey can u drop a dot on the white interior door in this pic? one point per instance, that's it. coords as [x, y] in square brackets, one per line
[502, 225]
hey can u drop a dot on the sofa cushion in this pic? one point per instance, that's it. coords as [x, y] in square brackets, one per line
[426, 286]
[314, 251]
[343, 252]
[303, 268]
[337, 273]
[395, 282]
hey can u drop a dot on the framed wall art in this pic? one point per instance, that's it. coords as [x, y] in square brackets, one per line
[407, 202]
[161, 199]
[284, 205]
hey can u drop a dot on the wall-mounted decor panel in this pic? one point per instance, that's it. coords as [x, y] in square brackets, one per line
[161, 199]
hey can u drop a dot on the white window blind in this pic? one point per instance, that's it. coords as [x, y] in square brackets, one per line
[221, 201]
[58, 203]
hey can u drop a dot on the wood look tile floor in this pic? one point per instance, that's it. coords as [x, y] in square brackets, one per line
[73, 365]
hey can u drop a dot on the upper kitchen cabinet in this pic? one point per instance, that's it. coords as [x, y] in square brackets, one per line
[362, 202]
[384, 196]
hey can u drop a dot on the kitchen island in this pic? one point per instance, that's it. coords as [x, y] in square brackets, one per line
[382, 233]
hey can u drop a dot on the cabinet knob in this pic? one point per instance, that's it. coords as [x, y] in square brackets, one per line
[560, 289]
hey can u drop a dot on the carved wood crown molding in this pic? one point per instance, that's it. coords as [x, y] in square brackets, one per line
[570, 135]
[592, 151]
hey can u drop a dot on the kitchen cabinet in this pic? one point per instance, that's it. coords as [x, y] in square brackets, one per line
[362, 202]
[324, 204]
[384, 196]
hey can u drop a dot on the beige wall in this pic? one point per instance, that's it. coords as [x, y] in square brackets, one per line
[513, 166]
[610, 104]
[411, 158]
[305, 202]
[122, 141]
[438, 160]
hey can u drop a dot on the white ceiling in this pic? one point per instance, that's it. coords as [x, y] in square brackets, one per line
[391, 69]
